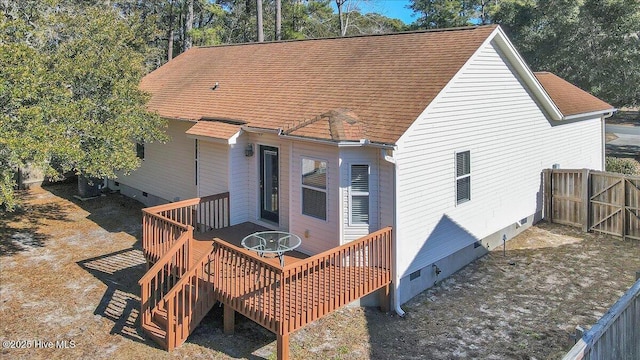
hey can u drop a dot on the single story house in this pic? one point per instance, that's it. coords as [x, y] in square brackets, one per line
[441, 135]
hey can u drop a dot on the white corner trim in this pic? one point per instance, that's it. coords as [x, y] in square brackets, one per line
[526, 73]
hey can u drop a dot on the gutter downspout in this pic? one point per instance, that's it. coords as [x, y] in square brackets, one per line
[604, 139]
[396, 276]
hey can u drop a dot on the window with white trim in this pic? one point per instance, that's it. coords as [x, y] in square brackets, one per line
[359, 192]
[463, 177]
[314, 188]
[140, 150]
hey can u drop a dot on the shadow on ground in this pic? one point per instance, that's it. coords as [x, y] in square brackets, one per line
[20, 229]
[120, 303]
[521, 305]
[113, 212]
[121, 270]
[624, 151]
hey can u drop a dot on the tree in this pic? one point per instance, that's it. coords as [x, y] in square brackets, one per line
[188, 26]
[437, 14]
[259, 25]
[343, 26]
[278, 19]
[593, 44]
[170, 32]
[69, 93]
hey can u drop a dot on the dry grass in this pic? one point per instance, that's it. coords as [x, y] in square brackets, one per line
[69, 271]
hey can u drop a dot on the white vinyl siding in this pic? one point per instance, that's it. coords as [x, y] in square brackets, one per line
[241, 181]
[213, 168]
[385, 195]
[486, 110]
[317, 235]
[252, 176]
[167, 170]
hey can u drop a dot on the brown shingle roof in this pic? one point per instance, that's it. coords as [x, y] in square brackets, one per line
[384, 81]
[336, 125]
[570, 99]
[214, 129]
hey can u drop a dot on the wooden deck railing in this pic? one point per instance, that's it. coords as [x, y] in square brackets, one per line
[178, 290]
[247, 283]
[189, 301]
[320, 284]
[163, 224]
[288, 298]
[165, 274]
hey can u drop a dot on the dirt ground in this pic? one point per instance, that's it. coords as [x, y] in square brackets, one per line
[69, 272]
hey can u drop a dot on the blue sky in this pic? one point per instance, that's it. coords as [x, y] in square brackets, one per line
[390, 8]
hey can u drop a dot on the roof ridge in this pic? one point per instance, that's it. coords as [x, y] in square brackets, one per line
[399, 33]
[303, 123]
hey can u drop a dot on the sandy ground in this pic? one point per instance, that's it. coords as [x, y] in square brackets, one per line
[69, 271]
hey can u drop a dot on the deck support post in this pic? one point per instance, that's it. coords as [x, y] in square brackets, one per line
[283, 346]
[384, 299]
[229, 320]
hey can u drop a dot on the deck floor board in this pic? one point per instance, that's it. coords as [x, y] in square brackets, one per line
[257, 295]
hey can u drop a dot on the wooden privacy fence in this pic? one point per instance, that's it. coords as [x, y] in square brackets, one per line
[616, 335]
[594, 200]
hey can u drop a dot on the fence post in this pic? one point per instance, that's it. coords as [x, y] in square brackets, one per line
[586, 199]
[624, 208]
[547, 174]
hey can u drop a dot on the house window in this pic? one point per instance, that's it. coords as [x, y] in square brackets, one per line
[314, 188]
[359, 194]
[140, 151]
[463, 177]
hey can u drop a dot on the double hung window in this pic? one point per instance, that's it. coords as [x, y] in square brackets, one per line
[359, 193]
[314, 188]
[463, 177]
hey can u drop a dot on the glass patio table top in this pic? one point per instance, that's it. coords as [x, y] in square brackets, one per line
[272, 242]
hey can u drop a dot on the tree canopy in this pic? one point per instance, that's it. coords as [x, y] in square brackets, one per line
[592, 43]
[71, 68]
[69, 92]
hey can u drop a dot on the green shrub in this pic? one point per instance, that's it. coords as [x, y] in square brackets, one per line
[625, 166]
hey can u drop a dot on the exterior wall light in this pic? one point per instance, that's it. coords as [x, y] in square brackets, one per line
[248, 151]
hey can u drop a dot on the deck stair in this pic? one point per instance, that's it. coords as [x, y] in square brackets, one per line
[188, 275]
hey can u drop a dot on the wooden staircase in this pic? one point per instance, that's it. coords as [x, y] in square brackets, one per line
[171, 313]
[188, 276]
[177, 291]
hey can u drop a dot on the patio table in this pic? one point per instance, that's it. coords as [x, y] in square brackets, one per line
[271, 242]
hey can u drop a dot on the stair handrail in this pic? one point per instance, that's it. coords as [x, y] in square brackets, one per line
[164, 259]
[171, 299]
[183, 242]
[152, 247]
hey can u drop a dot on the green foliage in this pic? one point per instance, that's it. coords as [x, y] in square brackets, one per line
[594, 44]
[437, 14]
[69, 93]
[622, 165]
[591, 43]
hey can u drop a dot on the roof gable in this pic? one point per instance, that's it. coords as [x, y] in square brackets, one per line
[385, 81]
[570, 99]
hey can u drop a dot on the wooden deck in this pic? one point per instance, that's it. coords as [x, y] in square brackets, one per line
[197, 260]
[203, 242]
